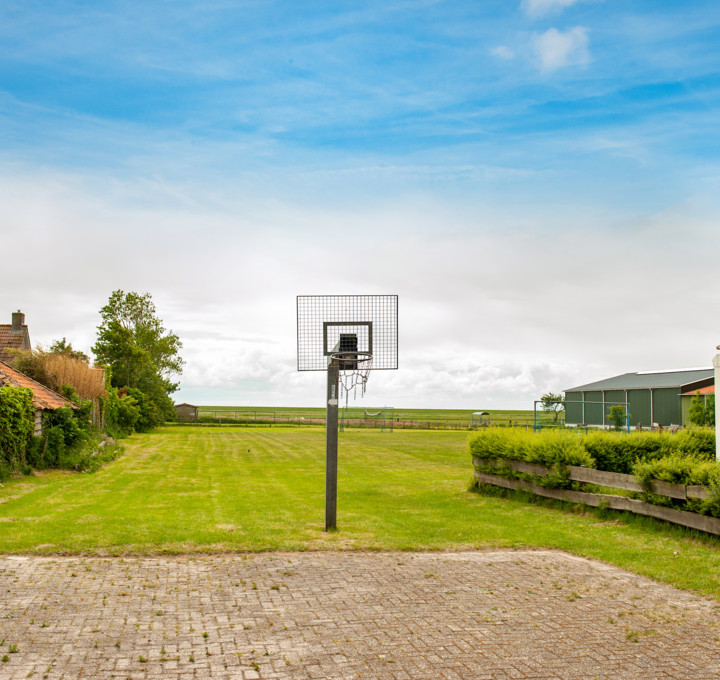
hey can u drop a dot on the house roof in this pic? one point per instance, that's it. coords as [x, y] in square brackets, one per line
[184, 404]
[43, 397]
[647, 380]
[12, 340]
[709, 389]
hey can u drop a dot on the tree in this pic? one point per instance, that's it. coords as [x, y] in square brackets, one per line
[65, 348]
[710, 410]
[137, 348]
[553, 403]
[618, 416]
[697, 414]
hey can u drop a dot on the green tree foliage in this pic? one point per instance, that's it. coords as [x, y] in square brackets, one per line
[65, 348]
[696, 414]
[553, 403]
[618, 416]
[16, 428]
[32, 363]
[710, 410]
[140, 353]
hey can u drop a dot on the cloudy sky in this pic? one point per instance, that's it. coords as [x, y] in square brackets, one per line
[538, 181]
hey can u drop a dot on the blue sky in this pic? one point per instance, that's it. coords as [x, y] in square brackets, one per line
[538, 180]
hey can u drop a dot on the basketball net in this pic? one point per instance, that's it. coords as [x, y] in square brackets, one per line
[355, 378]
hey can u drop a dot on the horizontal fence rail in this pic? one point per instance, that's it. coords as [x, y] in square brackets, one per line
[613, 480]
[279, 417]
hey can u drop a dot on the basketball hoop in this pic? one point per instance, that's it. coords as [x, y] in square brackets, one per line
[354, 370]
[348, 336]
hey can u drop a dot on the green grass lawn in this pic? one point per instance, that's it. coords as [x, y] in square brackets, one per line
[188, 489]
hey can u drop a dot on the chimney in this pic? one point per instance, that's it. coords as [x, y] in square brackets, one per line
[18, 320]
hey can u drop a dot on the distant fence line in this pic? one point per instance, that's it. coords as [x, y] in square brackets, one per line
[248, 417]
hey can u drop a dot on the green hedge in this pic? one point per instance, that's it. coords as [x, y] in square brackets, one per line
[555, 449]
[682, 469]
[684, 458]
[614, 452]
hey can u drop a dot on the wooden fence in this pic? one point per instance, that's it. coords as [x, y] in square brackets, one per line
[613, 480]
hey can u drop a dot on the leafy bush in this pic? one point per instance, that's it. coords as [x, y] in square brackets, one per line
[17, 421]
[696, 413]
[699, 443]
[555, 449]
[685, 458]
[683, 469]
[150, 416]
[548, 447]
[614, 453]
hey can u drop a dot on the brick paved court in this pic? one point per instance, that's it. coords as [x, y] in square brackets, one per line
[401, 616]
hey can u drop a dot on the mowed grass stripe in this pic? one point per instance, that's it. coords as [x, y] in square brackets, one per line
[189, 489]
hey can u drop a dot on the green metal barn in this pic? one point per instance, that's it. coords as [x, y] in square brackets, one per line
[652, 397]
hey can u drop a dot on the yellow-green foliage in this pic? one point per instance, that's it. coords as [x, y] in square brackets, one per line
[683, 469]
[620, 453]
[549, 447]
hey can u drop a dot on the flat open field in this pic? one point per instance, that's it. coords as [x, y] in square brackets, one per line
[190, 489]
[416, 415]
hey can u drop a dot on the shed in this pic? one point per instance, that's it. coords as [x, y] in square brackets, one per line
[480, 418]
[651, 397]
[186, 412]
[44, 399]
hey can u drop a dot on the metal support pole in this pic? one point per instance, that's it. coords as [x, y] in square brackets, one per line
[716, 366]
[331, 445]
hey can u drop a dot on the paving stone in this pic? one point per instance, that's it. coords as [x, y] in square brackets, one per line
[515, 615]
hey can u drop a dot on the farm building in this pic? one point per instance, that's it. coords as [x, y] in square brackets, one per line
[687, 398]
[13, 337]
[653, 397]
[186, 412]
[43, 399]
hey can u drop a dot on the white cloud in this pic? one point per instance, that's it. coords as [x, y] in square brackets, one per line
[556, 49]
[537, 8]
[503, 52]
[494, 313]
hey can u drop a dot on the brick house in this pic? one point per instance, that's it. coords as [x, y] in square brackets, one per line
[14, 337]
[43, 399]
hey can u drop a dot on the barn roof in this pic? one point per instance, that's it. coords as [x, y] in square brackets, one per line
[43, 397]
[649, 379]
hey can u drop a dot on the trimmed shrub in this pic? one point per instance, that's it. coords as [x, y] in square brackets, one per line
[682, 469]
[555, 449]
[548, 447]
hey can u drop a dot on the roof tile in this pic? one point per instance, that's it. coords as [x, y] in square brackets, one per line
[43, 397]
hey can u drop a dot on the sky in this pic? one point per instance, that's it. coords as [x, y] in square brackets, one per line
[537, 180]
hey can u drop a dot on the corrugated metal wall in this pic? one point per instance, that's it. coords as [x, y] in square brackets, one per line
[639, 401]
[593, 408]
[574, 408]
[665, 409]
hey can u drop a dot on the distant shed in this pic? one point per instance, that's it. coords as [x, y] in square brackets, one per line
[186, 412]
[652, 397]
[480, 418]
